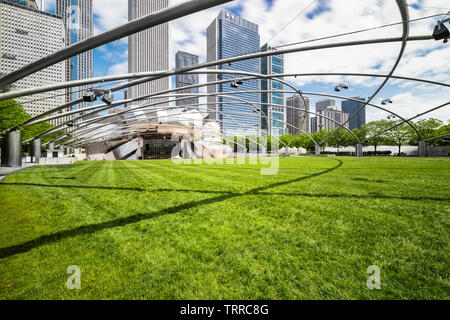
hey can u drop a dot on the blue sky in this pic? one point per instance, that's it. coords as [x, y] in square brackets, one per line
[323, 18]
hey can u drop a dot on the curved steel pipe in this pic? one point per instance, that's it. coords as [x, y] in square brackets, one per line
[129, 28]
[282, 106]
[178, 107]
[228, 93]
[403, 7]
[162, 74]
[33, 120]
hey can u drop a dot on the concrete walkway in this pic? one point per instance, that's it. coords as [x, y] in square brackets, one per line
[4, 171]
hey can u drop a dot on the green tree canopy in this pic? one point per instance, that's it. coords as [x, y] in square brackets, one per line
[320, 137]
[427, 127]
[373, 132]
[443, 141]
[400, 135]
[12, 114]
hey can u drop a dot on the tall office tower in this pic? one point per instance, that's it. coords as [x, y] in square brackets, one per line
[324, 104]
[351, 107]
[324, 123]
[27, 35]
[26, 3]
[41, 4]
[148, 50]
[78, 17]
[184, 59]
[313, 124]
[272, 65]
[229, 36]
[295, 116]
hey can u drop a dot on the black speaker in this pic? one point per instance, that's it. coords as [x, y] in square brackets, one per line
[440, 32]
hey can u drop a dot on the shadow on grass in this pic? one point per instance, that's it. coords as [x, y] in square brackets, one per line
[368, 180]
[69, 186]
[309, 195]
[82, 230]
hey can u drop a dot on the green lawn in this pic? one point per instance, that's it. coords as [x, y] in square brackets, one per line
[156, 230]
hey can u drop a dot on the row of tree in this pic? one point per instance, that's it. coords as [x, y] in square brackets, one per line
[375, 133]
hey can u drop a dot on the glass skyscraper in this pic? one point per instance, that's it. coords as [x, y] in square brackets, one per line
[351, 107]
[184, 59]
[78, 17]
[229, 36]
[271, 113]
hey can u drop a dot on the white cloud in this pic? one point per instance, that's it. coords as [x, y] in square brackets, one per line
[118, 68]
[413, 102]
[110, 14]
[427, 59]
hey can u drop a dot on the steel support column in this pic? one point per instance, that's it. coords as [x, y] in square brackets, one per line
[36, 147]
[359, 150]
[317, 150]
[12, 149]
[422, 149]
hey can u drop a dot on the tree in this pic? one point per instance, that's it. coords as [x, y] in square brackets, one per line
[341, 138]
[307, 143]
[303, 141]
[320, 137]
[427, 127]
[444, 141]
[400, 135]
[12, 115]
[360, 133]
[373, 132]
[285, 139]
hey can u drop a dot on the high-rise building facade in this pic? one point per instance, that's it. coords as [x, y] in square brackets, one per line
[148, 50]
[32, 4]
[271, 102]
[184, 59]
[351, 107]
[41, 4]
[321, 123]
[27, 35]
[323, 104]
[229, 36]
[78, 17]
[295, 117]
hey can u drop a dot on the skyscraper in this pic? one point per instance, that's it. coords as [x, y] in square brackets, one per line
[295, 117]
[321, 123]
[323, 104]
[148, 50]
[229, 36]
[25, 3]
[184, 59]
[41, 4]
[272, 65]
[351, 107]
[78, 17]
[27, 35]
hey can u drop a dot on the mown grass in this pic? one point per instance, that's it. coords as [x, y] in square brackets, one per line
[155, 230]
